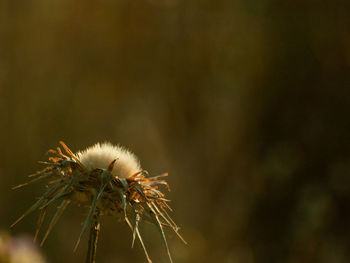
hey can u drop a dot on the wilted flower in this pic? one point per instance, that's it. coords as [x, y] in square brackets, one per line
[109, 181]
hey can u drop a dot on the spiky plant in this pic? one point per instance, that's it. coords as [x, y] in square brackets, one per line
[108, 180]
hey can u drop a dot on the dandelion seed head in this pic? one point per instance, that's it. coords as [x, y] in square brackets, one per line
[101, 155]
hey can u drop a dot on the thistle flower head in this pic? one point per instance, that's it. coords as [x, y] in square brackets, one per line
[108, 180]
[101, 155]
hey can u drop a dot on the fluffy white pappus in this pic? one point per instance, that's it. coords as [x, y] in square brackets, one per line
[101, 155]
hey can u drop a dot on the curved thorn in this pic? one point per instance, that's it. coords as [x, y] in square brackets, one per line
[111, 165]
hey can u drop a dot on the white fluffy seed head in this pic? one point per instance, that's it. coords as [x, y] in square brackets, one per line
[101, 155]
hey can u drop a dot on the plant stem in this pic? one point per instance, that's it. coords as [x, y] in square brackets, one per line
[93, 238]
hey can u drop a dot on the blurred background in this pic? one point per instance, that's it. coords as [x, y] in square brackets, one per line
[245, 104]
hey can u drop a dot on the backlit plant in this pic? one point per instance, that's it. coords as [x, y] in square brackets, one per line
[108, 180]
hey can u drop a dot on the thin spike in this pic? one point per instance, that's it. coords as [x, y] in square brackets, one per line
[123, 197]
[54, 159]
[40, 221]
[62, 193]
[160, 228]
[70, 153]
[45, 170]
[169, 222]
[135, 174]
[44, 162]
[65, 147]
[32, 181]
[55, 218]
[140, 190]
[97, 196]
[141, 241]
[168, 206]
[93, 238]
[177, 228]
[158, 176]
[60, 153]
[38, 203]
[87, 220]
[51, 151]
[163, 183]
[135, 227]
[168, 216]
[143, 245]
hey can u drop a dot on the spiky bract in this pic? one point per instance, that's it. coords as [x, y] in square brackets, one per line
[109, 181]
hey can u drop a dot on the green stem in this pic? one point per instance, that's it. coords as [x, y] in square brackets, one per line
[93, 238]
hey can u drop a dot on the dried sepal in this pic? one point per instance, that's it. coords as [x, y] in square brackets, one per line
[132, 198]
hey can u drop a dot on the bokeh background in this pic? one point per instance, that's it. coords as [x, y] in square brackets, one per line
[245, 103]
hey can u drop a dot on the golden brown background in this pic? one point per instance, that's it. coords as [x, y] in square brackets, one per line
[245, 103]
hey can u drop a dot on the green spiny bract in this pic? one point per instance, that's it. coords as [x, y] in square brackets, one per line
[109, 181]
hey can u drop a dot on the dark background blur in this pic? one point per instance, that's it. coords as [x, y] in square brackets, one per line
[244, 103]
